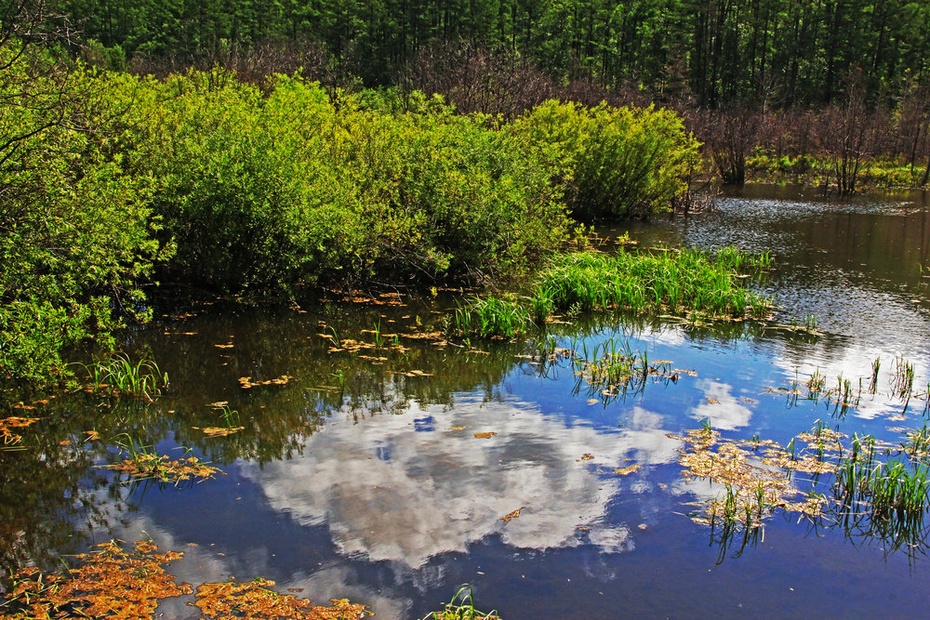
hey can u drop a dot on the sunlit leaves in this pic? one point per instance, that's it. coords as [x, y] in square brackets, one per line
[255, 599]
[110, 583]
[115, 583]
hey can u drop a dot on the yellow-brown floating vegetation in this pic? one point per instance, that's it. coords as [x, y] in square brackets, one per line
[629, 469]
[219, 431]
[755, 474]
[510, 516]
[110, 583]
[256, 599]
[246, 382]
[485, 435]
[10, 427]
[148, 465]
[115, 583]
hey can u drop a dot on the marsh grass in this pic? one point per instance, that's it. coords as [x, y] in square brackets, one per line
[120, 376]
[461, 607]
[612, 369]
[884, 500]
[492, 317]
[684, 283]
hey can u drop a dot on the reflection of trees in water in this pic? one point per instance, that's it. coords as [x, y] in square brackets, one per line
[47, 496]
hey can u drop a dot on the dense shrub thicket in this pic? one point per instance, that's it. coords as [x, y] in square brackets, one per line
[108, 179]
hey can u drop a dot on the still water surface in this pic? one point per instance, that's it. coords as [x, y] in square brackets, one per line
[363, 478]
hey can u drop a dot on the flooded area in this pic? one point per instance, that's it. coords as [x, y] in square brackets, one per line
[373, 460]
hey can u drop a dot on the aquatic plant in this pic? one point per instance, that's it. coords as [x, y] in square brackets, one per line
[489, 317]
[884, 500]
[873, 380]
[141, 462]
[686, 283]
[680, 282]
[613, 370]
[118, 375]
[902, 381]
[114, 582]
[461, 607]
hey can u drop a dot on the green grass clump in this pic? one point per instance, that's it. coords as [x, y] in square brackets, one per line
[461, 607]
[118, 375]
[492, 317]
[685, 282]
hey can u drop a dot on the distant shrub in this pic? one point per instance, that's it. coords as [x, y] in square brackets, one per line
[612, 162]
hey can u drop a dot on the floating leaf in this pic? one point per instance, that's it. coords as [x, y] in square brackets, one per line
[246, 382]
[626, 471]
[507, 518]
[228, 345]
[457, 428]
[220, 431]
[486, 435]
[587, 456]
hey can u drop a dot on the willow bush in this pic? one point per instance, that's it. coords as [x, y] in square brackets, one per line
[613, 162]
[77, 237]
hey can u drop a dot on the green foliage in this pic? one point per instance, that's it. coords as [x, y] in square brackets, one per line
[288, 189]
[76, 236]
[612, 162]
[689, 281]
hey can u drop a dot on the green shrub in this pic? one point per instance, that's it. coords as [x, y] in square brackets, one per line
[76, 236]
[612, 162]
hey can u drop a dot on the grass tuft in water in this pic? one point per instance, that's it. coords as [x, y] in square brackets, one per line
[120, 376]
[461, 607]
[680, 282]
[688, 283]
[492, 317]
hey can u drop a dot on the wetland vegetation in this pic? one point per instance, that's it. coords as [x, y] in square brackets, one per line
[422, 337]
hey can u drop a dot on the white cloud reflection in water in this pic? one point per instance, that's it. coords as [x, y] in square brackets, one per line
[722, 410]
[405, 488]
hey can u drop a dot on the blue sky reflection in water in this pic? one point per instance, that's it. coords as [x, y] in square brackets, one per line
[391, 499]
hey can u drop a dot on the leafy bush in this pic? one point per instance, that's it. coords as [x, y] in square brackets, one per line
[612, 162]
[287, 189]
[76, 239]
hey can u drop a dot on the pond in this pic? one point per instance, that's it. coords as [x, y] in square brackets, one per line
[390, 466]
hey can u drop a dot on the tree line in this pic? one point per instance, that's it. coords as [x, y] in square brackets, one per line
[770, 53]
